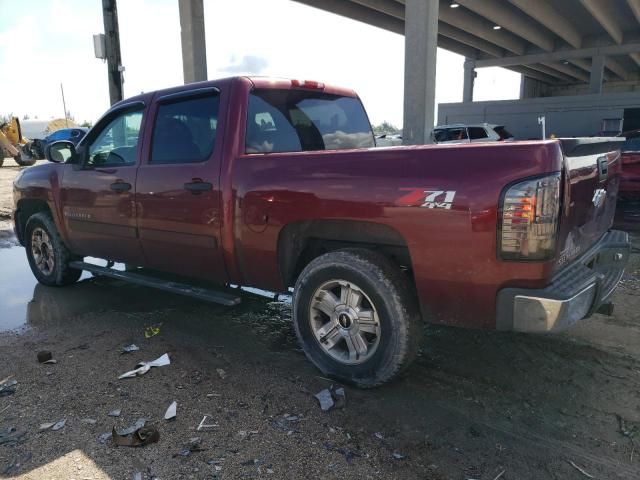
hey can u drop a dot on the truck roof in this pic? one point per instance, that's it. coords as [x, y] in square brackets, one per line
[257, 82]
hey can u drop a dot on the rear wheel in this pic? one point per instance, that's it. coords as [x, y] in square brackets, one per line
[356, 317]
[48, 256]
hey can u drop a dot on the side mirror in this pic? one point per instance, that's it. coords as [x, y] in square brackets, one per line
[60, 151]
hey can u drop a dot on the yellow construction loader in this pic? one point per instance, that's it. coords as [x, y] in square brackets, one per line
[13, 144]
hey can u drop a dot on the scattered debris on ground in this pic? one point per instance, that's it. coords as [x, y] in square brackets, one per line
[152, 331]
[170, 414]
[204, 426]
[141, 437]
[331, 398]
[130, 348]
[143, 367]
[7, 386]
[44, 356]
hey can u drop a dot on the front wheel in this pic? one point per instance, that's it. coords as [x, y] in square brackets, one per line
[48, 256]
[356, 317]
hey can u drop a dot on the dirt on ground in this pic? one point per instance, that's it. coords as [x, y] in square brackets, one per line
[476, 405]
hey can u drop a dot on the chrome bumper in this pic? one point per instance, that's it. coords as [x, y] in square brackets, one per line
[575, 293]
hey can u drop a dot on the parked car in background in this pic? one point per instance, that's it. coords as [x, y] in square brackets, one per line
[73, 135]
[630, 178]
[459, 133]
[388, 140]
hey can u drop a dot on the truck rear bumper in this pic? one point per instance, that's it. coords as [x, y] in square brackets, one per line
[574, 293]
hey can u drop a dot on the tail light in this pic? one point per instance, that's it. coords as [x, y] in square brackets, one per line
[529, 219]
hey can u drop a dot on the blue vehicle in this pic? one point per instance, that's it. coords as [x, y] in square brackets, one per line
[73, 135]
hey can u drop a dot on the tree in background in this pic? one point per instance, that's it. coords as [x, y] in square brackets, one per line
[385, 128]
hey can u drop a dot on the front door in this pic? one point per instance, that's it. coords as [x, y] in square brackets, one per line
[177, 191]
[98, 189]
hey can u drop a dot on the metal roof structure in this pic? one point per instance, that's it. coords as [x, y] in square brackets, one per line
[553, 41]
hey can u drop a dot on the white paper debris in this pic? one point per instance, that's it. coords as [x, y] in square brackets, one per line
[203, 425]
[325, 399]
[144, 367]
[171, 411]
[59, 425]
[130, 348]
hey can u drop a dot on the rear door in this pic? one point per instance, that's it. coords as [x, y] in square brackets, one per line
[97, 192]
[178, 191]
[591, 183]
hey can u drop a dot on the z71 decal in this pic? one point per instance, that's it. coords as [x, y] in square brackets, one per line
[417, 197]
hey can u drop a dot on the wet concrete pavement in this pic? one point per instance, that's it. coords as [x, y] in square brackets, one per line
[474, 404]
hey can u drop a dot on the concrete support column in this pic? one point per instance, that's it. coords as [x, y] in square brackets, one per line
[597, 74]
[194, 48]
[469, 79]
[420, 51]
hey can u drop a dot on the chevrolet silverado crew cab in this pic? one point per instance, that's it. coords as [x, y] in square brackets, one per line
[276, 184]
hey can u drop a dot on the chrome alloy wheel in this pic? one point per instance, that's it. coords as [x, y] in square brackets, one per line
[345, 322]
[42, 250]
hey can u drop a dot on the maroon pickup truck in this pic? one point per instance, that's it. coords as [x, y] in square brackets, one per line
[276, 184]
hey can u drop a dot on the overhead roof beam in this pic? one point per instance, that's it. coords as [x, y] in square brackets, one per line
[359, 13]
[503, 15]
[457, 47]
[396, 10]
[480, 28]
[533, 74]
[551, 72]
[601, 11]
[463, 37]
[635, 8]
[569, 70]
[636, 58]
[585, 65]
[616, 68]
[548, 16]
[569, 54]
[392, 8]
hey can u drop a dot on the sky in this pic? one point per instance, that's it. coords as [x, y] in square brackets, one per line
[45, 43]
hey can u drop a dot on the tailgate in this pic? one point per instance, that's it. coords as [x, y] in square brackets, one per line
[592, 170]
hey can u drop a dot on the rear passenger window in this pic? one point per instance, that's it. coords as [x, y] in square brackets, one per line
[303, 120]
[476, 133]
[185, 130]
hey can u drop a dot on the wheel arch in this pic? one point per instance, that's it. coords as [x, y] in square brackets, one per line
[300, 242]
[26, 208]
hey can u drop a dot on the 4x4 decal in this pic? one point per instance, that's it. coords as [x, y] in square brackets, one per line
[418, 197]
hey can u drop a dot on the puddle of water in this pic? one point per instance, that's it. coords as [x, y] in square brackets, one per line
[17, 288]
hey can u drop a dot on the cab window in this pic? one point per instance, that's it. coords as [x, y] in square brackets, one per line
[117, 143]
[185, 130]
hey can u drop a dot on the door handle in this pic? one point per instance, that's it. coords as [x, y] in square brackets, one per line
[198, 187]
[120, 187]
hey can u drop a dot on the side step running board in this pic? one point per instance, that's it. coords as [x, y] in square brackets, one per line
[161, 284]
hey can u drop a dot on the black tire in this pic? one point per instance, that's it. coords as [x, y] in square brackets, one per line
[24, 161]
[60, 273]
[1, 159]
[387, 290]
